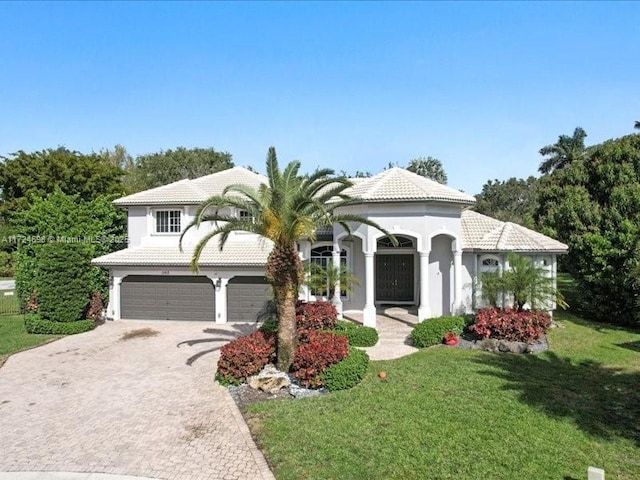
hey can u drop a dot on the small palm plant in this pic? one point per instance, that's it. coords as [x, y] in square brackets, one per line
[325, 278]
[524, 282]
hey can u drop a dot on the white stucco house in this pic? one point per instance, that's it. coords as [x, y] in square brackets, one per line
[443, 248]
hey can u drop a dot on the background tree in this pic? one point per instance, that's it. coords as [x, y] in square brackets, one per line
[637, 125]
[60, 218]
[290, 207]
[594, 206]
[512, 200]
[428, 167]
[564, 152]
[25, 176]
[161, 168]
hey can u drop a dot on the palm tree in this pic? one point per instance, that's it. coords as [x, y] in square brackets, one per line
[288, 208]
[562, 153]
[325, 278]
[523, 282]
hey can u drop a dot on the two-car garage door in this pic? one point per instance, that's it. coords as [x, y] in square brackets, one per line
[152, 297]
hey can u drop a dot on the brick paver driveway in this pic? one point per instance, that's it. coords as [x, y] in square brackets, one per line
[143, 406]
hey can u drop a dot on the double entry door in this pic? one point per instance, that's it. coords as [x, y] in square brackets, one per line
[394, 278]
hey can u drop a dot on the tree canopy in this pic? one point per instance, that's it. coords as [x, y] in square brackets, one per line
[593, 205]
[163, 167]
[25, 176]
[512, 200]
[428, 167]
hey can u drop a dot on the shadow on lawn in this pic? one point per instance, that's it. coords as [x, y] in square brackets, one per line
[602, 401]
[221, 336]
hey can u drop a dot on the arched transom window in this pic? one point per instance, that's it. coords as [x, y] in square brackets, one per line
[403, 242]
[489, 264]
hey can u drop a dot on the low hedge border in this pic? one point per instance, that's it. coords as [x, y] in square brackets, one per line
[431, 331]
[35, 324]
[348, 373]
[358, 336]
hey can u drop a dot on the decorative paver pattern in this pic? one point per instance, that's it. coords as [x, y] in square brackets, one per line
[145, 406]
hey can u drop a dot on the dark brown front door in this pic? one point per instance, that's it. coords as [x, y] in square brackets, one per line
[394, 278]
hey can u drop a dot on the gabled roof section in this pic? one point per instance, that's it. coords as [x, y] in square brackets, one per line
[192, 192]
[399, 184]
[247, 253]
[483, 233]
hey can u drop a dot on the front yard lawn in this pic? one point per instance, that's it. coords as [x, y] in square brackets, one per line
[14, 338]
[445, 413]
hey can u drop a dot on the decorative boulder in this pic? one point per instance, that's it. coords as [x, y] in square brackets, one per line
[269, 380]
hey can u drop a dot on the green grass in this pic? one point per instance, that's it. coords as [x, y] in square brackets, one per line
[453, 414]
[14, 338]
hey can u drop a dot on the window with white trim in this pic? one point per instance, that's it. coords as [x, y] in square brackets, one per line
[245, 215]
[489, 264]
[323, 256]
[168, 221]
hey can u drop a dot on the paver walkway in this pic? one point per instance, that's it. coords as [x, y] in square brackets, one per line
[394, 325]
[147, 406]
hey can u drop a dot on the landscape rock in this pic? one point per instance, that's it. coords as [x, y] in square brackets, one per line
[269, 380]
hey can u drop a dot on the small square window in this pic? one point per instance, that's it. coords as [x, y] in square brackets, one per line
[168, 221]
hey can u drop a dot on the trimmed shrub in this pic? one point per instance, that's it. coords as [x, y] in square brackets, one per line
[319, 351]
[347, 373]
[245, 356]
[62, 277]
[270, 325]
[511, 325]
[35, 324]
[431, 331]
[358, 336]
[315, 316]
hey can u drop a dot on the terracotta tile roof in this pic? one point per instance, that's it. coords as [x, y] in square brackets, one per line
[401, 184]
[236, 252]
[480, 232]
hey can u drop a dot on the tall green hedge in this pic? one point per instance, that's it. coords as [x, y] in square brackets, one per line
[62, 280]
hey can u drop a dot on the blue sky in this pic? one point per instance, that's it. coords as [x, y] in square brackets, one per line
[351, 86]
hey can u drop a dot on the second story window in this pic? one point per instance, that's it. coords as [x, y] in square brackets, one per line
[245, 215]
[168, 221]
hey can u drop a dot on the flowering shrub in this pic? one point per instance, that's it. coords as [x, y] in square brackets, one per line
[319, 351]
[508, 324]
[245, 356]
[315, 316]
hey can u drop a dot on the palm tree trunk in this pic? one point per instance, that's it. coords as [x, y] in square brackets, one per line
[286, 297]
[284, 271]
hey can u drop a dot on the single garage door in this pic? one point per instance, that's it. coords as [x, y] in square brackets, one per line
[147, 297]
[247, 298]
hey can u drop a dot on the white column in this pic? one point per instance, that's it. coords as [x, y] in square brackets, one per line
[424, 310]
[369, 311]
[337, 300]
[476, 282]
[221, 297]
[457, 281]
[305, 254]
[114, 299]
